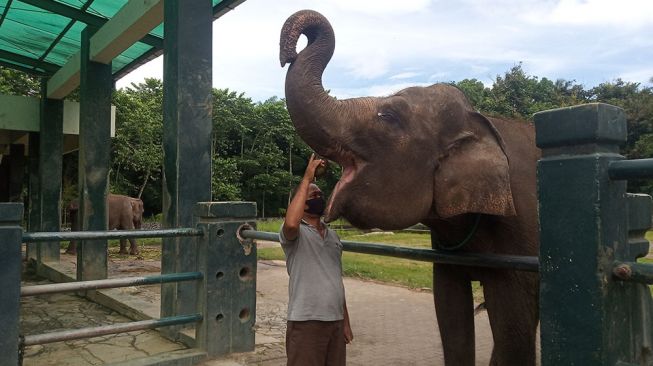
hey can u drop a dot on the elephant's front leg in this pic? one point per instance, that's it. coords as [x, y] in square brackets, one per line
[454, 308]
[72, 247]
[123, 246]
[133, 247]
[511, 302]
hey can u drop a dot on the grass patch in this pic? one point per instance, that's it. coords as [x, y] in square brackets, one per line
[403, 272]
[269, 225]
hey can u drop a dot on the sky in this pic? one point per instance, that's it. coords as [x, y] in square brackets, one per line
[383, 46]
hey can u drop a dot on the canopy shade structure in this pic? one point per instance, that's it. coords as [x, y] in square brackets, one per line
[42, 37]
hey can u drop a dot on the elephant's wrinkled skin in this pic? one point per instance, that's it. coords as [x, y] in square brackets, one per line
[125, 213]
[424, 155]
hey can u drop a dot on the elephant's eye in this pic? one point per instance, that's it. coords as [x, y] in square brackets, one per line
[387, 116]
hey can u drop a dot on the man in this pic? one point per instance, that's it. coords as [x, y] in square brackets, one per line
[318, 322]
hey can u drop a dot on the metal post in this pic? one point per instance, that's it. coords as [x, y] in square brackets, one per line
[96, 84]
[587, 317]
[11, 234]
[187, 129]
[34, 204]
[16, 171]
[227, 294]
[50, 171]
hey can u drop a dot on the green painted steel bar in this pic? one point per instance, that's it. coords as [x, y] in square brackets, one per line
[187, 131]
[633, 271]
[631, 169]
[519, 263]
[114, 234]
[50, 172]
[11, 215]
[56, 288]
[33, 205]
[227, 294]
[96, 85]
[587, 316]
[69, 335]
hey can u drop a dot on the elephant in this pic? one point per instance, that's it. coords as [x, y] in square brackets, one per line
[124, 213]
[424, 155]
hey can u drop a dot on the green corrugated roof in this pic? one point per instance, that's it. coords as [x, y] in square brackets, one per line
[39, 36]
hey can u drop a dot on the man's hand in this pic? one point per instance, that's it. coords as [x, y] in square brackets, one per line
[312, 165]
[296, 208]
[349, 336]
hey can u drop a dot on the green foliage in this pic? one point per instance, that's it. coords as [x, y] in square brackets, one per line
[136, 154]
[226, 184]
[15, 82]
[518, 95]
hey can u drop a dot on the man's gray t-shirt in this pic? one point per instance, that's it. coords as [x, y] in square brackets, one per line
[314, 265]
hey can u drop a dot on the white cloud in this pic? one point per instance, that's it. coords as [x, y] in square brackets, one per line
[643, 76]
[623, 13]
[404, 75]
[377, 7]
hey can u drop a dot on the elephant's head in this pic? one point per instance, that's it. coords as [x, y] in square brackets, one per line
[137, 212]
[420, 153]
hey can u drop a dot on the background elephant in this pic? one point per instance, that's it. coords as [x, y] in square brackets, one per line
[424, 155]
[125, 213]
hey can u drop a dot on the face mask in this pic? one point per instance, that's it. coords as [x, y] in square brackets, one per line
[315, 206]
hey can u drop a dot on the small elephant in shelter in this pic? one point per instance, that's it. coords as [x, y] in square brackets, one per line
[425, 155]
[125, 213]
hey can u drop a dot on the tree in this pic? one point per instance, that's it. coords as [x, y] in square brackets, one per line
[137, 154]
[16, 82]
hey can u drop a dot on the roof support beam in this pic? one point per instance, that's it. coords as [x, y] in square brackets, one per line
[224, 7]
[66, 11]
[127, 26]
[219, 10]
[65, 80]
[28, 61]
[84, 17]
[134, 21]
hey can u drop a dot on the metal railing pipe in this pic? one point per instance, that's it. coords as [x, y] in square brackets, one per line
[633, 271]
[69, 335]
[520, 263]
[35, 237]
[108, 283]
[631, 169]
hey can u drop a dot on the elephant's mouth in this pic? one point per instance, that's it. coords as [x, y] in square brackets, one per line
[351, 165]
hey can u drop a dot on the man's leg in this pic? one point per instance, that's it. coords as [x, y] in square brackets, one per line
[337, 350]
[307, 343]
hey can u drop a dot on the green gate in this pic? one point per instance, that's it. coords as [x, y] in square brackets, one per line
[595, 308]
[224, 312]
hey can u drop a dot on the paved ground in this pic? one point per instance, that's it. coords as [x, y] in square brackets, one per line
[392, 325]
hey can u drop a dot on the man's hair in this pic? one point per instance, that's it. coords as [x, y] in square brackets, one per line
[293, 192]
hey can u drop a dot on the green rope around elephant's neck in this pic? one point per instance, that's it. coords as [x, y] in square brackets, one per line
[439, 244]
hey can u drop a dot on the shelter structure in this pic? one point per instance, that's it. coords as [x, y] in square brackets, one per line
[88, 45]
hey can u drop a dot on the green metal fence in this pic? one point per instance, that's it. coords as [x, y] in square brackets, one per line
[226, 300]
[595, 308]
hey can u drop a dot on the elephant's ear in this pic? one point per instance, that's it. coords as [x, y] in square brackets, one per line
[473, 176]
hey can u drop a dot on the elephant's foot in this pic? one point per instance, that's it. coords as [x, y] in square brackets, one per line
[71, 252]
[134, 251]
[123, 251]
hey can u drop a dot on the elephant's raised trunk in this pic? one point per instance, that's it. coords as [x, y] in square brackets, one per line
[313, 112]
